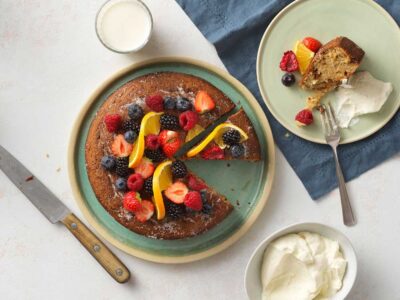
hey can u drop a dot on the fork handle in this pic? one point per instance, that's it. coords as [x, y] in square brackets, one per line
[347, 211]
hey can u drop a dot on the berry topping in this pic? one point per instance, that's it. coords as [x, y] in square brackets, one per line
[130, 136]
[174, 210]
[231, 137]
[188, 119]
[122, 168]
[152, 142]
[132, 202]
[176, 192]
[203, 102]
[135, 112]
[312, 44]
[237, 150]
[183, 104]
[171, 147]
[169, 103]
[289, 62]
[195, 184]
[155, 102]
[155, 155]
[148, 185]
[213, 152]
[170, 122]
[120, 147]
[304, 117]
[179, 169]
[113, 122]
[145, 168]
[207, 208]
[108, 162]
[193, 201]
[135, 182]
[120, 184]
[146, 212]
[288, 79]
[131, 125]
[170, 142]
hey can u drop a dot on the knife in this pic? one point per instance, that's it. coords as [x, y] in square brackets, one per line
[55, 211]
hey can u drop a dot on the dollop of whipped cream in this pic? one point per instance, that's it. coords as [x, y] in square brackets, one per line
[361, 94]
[302, 266]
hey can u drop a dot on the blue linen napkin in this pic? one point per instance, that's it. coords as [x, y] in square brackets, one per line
[235, 27]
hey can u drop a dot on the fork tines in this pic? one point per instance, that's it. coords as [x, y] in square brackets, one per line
[329, 121]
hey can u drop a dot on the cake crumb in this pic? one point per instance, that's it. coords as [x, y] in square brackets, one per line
[58, 169]
[248, 203]
[47, 155]
[232, 189]
[237, 203]
[228, 165]
[29, 178]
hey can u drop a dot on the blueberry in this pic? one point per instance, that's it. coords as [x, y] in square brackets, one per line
[203, 194]
[130, 136]
[169, 103]
[237, 151]
[120, 184]
[135, 112]
[207, 208]
[108, 162]
[288, 79]
[183, 104]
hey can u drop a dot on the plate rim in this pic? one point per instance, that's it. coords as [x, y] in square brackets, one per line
[102, 231]
[265, 98]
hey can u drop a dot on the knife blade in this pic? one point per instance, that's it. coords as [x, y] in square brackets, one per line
[55, 211]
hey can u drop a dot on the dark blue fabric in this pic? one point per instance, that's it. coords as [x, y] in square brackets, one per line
[235, 27]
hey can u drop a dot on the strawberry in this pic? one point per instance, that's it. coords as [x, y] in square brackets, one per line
[155, 102]
[312, 44]
[113, 122]
[176, 192]
[195, 184]
[171, 148]
[289, 62]
[152, 142]
[213, 152]
[193, 201]
[203, 102]
[135, 182]
[120, 147]
[145, 168]
[132, 201]
[170, 142]
[188, 119]
[146, 212]
[304, 117]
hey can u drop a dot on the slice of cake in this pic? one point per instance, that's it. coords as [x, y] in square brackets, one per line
[335, 61]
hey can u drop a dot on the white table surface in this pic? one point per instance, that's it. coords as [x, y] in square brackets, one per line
[50, 62]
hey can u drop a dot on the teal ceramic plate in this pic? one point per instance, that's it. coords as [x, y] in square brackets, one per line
[248, 195]
[364, 22]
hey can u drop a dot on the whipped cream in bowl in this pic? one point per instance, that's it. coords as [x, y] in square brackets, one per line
[303, 261]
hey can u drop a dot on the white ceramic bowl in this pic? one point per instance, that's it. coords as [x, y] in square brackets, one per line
[253, 270]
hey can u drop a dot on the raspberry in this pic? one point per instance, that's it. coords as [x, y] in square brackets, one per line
[113, 122]
[213, 152]
[304, 117]
[289, 62]
[132, 202]
[152, 142]
[135, 182]
[193, 201]
[195, 184]
[155, 102]
[188, 119]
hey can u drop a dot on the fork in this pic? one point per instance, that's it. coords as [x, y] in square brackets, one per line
[332, 137]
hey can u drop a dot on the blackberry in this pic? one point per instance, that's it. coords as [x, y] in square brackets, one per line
[155, 155]
[135, 112]
[169, 122]
[174, 210]
[148, 185]
[237, 150]
[131, 125]
[231, 137]
[122, 168]
[179, 169]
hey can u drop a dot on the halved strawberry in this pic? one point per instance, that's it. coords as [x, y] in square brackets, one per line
[177, 192]
[213, 152]
[145, 168]
[120, 147]
[170, 142]
[203, 102]
[312, 44]
[132, 202]
[171, 148]
[166, 136]
[146, 212]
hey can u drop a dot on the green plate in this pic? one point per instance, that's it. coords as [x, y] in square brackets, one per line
[248, 195]
[364, 22]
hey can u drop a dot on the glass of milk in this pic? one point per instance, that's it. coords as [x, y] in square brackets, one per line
[124, 26]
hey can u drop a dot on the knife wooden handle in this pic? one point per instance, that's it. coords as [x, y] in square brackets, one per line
[97, 248]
